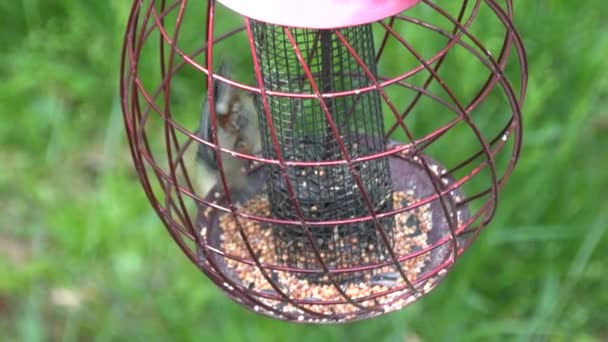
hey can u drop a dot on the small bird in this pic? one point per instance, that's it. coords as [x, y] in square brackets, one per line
[237, 130]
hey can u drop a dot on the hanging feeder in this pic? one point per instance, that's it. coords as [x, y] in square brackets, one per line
[381, 161]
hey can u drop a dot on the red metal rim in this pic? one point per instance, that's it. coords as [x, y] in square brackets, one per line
[319, 14]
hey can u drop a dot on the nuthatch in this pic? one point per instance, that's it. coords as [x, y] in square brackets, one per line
[237, 130]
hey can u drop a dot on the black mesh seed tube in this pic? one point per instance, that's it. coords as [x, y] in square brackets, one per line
[328, 192]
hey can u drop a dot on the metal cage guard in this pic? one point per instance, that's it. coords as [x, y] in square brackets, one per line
[343, 220]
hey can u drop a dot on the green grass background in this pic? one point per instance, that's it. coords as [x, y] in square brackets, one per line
[83, 256]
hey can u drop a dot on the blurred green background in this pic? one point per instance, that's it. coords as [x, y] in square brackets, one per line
[84, 257]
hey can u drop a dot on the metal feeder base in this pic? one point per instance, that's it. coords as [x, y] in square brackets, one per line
[408, 175]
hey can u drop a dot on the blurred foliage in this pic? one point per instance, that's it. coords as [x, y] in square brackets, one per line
[83, 256]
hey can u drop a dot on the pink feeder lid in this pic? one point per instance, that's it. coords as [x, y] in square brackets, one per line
[319, 14]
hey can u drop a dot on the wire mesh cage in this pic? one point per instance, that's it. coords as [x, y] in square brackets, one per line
[383, 146]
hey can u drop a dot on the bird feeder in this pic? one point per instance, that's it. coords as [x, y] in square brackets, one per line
[388, 129]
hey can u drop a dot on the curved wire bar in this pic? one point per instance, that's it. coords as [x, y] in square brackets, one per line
[140, 106]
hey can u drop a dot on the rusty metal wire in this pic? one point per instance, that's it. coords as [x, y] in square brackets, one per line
[308, 253]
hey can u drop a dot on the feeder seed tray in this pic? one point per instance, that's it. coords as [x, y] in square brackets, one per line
[379, 290]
